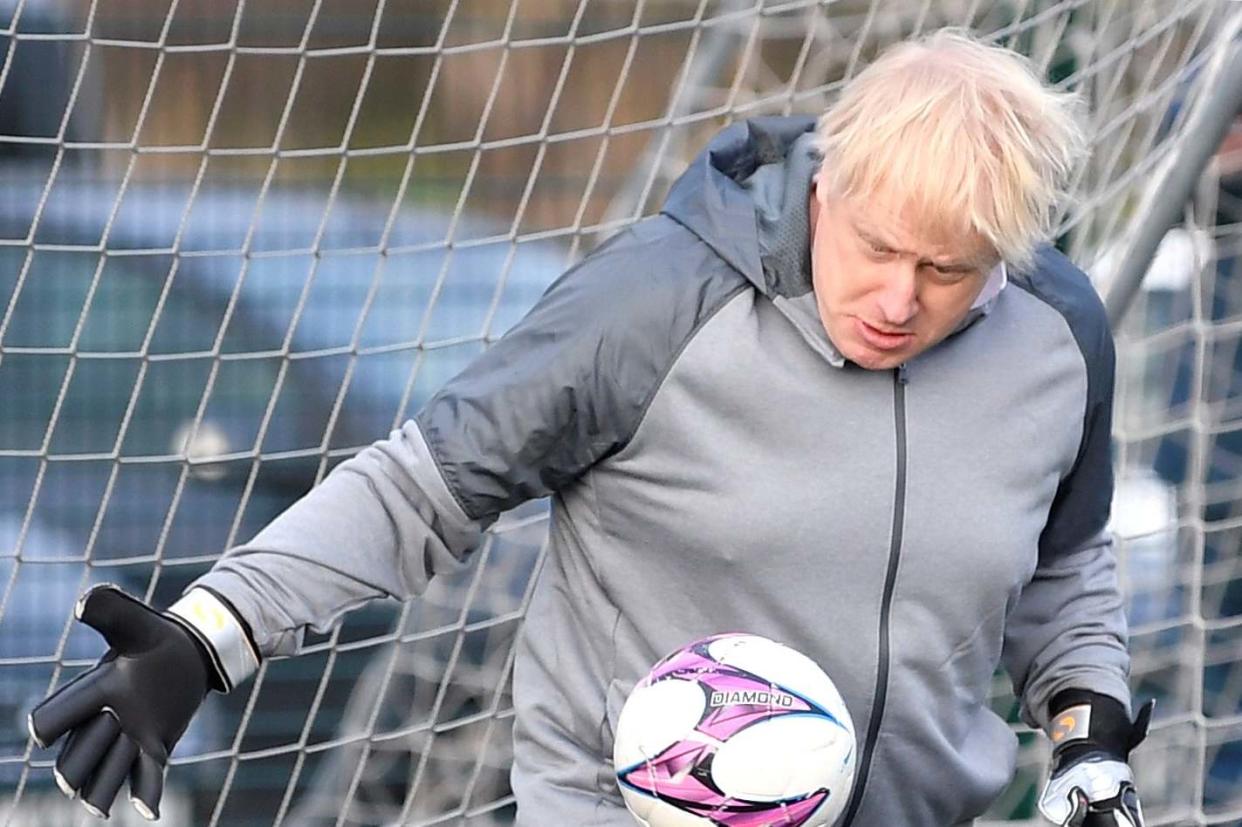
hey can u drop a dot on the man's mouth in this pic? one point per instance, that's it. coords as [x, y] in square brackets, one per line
[882, 339]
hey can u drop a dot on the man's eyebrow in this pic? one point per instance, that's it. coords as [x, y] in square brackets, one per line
[952, 265]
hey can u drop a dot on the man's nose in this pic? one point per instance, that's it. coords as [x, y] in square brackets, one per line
[899, 298]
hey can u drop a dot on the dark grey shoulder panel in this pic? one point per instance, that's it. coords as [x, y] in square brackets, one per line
[1082, 502]
[569, 384]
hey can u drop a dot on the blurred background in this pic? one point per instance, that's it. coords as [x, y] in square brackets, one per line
[241, 240]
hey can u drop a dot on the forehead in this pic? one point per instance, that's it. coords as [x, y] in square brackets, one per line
[906, 227]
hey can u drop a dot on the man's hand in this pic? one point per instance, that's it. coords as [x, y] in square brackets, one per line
[126, 713]
[1091, 783]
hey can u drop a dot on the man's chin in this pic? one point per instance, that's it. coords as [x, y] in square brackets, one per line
[872, 359]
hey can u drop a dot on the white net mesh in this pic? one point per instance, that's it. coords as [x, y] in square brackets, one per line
[241, 240]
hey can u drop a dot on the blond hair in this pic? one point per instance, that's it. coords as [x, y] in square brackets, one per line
[963, 133]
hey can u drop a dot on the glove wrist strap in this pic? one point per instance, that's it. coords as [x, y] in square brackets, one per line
[223, 634]
[1070, 725]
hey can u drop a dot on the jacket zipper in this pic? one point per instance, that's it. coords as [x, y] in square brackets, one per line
[886, 603]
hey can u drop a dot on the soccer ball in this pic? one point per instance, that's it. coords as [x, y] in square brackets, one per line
[736, 731]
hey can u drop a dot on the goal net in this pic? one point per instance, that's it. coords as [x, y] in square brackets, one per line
[241, 240]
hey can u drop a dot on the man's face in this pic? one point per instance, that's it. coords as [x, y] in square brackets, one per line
[888, 290]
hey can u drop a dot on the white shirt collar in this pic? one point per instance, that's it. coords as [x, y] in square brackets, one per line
[997, 279]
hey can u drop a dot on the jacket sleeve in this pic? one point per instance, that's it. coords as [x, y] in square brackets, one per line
[1067, 628]
[379, 525]
[562, 389]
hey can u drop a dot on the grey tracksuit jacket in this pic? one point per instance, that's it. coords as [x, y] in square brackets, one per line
[715, 465]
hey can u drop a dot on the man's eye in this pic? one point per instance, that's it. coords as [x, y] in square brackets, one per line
[877, 247]
[949, 276]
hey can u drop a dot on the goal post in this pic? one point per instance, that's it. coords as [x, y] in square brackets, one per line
[242, 239]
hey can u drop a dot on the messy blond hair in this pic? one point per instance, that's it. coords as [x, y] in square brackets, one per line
[963, 133]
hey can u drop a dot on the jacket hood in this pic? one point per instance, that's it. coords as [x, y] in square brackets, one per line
[746, 197]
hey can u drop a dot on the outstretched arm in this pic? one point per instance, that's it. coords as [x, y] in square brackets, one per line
[380, 525]
[563, 389]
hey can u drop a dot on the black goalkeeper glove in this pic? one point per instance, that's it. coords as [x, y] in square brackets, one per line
[126, 713]
[1091, 783]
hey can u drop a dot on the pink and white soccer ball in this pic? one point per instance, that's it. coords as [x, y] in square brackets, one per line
[735, 731]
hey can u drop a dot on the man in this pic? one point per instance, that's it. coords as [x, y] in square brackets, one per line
[838, 393]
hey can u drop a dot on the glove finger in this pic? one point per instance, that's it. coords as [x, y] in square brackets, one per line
[66, 708]
[1132, 811]
[1142, 722]
[83, 753]
[1082, 806]
[124, 621]
[146, 785]
[101, 790]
